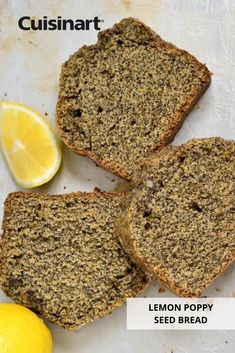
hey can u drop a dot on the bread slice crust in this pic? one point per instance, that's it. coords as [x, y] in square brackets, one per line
[62, 265]
[94, 121]
[184, 231]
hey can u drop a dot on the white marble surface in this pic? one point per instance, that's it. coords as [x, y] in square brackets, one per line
[29, 71]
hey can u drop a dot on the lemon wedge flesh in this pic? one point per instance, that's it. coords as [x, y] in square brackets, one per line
[28, 144]
[21, 331]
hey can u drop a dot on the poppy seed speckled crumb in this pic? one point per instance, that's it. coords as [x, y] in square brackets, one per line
[126, 96]
[60, 256]
[179, 223]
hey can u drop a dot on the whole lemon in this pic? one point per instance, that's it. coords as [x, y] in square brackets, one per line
[21, 331]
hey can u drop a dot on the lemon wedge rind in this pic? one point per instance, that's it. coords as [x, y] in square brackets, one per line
[13, 110]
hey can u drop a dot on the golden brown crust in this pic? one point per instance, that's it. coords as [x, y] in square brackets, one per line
[180, 116]
[126, 230]
[9, 202]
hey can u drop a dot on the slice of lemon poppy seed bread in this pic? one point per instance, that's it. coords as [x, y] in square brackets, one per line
[179, 224]
[126, 96]
[60, 256]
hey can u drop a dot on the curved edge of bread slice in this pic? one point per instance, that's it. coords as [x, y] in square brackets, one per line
[124, 223]
[179, 117]
[41, 269]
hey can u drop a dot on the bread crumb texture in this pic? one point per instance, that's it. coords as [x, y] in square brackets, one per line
[179, 224]
[126, 96]
[61, 257]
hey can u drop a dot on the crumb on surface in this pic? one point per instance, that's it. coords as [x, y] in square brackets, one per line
[161, 290]
[30, 42]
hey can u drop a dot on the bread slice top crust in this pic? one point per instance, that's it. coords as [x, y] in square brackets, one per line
[126, 96]
[60, 256]
[179, 224]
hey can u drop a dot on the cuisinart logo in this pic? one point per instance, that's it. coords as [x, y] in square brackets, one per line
[27, 23]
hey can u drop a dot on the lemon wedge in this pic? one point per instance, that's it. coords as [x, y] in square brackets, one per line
[28, 144]
[21, 331]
